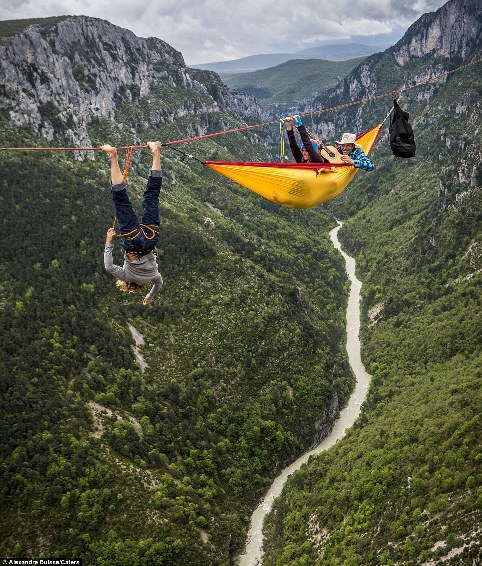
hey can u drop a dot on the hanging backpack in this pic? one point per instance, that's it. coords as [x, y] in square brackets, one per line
[402, 140]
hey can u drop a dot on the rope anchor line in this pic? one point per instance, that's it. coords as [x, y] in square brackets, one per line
[253, 126]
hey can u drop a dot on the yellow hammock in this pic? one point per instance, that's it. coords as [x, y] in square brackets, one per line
[297, 185]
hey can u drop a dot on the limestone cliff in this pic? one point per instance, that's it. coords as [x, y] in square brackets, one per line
[452, 31]
[57, 77]
[436, 43]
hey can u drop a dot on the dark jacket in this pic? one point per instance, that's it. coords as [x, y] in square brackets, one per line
[315, 157]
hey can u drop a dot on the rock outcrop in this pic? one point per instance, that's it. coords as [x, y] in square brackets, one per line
[57, 78]
[436, 43]
[451, 31]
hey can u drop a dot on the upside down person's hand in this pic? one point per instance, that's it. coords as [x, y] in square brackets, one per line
[110, 236]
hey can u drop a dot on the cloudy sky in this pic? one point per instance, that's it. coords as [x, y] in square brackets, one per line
[220, 30]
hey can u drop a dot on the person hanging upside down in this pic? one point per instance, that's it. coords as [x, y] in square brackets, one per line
[137, 239]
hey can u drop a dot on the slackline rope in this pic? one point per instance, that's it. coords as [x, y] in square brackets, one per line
[251, 127]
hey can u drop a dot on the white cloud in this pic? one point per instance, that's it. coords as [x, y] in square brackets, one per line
[217, 30]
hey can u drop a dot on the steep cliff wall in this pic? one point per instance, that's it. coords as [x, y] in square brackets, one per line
[58, 77]
[451, 32]
[436, 43]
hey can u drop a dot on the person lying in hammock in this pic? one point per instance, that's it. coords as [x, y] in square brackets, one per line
[352, 154]
[308, 153]
[137, 239]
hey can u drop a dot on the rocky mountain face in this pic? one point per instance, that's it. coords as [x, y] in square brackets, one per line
[414, 226]
[434, 44]
[452, 31]
[56, 78]
[442, 110]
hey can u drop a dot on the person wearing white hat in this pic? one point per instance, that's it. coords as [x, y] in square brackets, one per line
[352, 154]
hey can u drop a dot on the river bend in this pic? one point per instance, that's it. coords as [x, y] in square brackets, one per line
[254, 547]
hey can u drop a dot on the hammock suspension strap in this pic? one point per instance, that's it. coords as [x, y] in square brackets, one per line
[183, 153]
[282, 141]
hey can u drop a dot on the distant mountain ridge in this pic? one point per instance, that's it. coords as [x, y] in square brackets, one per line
[251, 63]
[283, 86]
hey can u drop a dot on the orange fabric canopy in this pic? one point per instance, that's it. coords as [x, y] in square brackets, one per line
[297, 185]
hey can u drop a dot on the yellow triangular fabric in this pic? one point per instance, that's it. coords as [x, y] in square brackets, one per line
[296, 185]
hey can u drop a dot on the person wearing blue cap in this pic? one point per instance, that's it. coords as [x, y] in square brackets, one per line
[308, 153]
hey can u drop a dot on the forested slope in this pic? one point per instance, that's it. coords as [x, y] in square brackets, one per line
[405, 486]
[101, 459]
[244, 345]
[282, 86]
